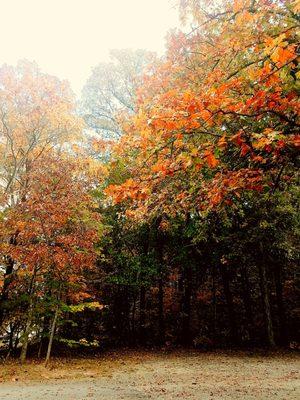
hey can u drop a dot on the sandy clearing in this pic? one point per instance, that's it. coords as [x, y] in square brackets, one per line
[192, 376]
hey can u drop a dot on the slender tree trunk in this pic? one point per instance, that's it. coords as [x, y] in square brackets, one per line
[142, 315]
[51, 337]
[11, 337]
[247, 301]
[280, 305]
[266, 304]
[158, 246]
[214, 304]
[26, 333]
[7, 280]
[133, 330]
[230, 307]
[17, 340]
[161, 318]
[186, 307]
[6, 284]
[11, 341]
[28, 325]
[40, 349]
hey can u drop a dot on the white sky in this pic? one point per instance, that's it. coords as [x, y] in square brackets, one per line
[68, 37]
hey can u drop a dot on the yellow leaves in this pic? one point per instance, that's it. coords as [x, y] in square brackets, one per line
[194, 152]
[92, 305]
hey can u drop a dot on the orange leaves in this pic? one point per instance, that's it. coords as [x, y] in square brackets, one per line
[282, 55]
[54, 224]
[128, 190]
[296, 6]
[39, 116]
[224, 98]
[261, 143]
[162, 168]
[238, 5]
[211, 159]
[231, 184]
[222, 142]
[205, 115]
[279, 50]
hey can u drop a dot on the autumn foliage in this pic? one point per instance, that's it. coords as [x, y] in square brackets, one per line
[220, 115]
[48, 227]
[168, 214]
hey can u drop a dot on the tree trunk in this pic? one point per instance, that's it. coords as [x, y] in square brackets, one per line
[266, 305]
[161, 319]
[214, 305]
[142, 338]
[186, 307]
[283, 334]
[133, 314]
[6, 283]
[7, 280]
[230, 307]
[247, 302]
[11, 336]
[52, 331]
[27, 330]
[26, 333]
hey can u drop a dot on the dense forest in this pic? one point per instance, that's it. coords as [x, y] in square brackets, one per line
[162, 208]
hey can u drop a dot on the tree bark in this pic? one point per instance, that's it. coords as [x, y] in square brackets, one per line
[283, 333]
[246, 295]
[28, 325]
[230, 307]
[142, 331]
[161, 318]
[26, 333]
[133, 316]
[51, 337]
[7, 280]
[266, 305]
[214, 305]
[6, 283]
[186, 307]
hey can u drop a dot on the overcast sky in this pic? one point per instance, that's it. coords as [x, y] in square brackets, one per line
[68, 37]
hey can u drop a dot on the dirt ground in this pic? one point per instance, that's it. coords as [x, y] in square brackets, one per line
[156, 376]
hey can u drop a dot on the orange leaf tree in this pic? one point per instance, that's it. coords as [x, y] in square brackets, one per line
[56, 230]
[220, 115]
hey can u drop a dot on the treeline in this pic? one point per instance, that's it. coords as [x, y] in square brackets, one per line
[226, 279]
[173, 220]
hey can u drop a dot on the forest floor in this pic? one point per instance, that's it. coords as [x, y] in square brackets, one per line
[149, 375]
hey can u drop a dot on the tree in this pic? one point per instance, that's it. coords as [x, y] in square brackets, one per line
[217, 124]
[222, 110]
[36, 116]
[111, 90]
[57, 230]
